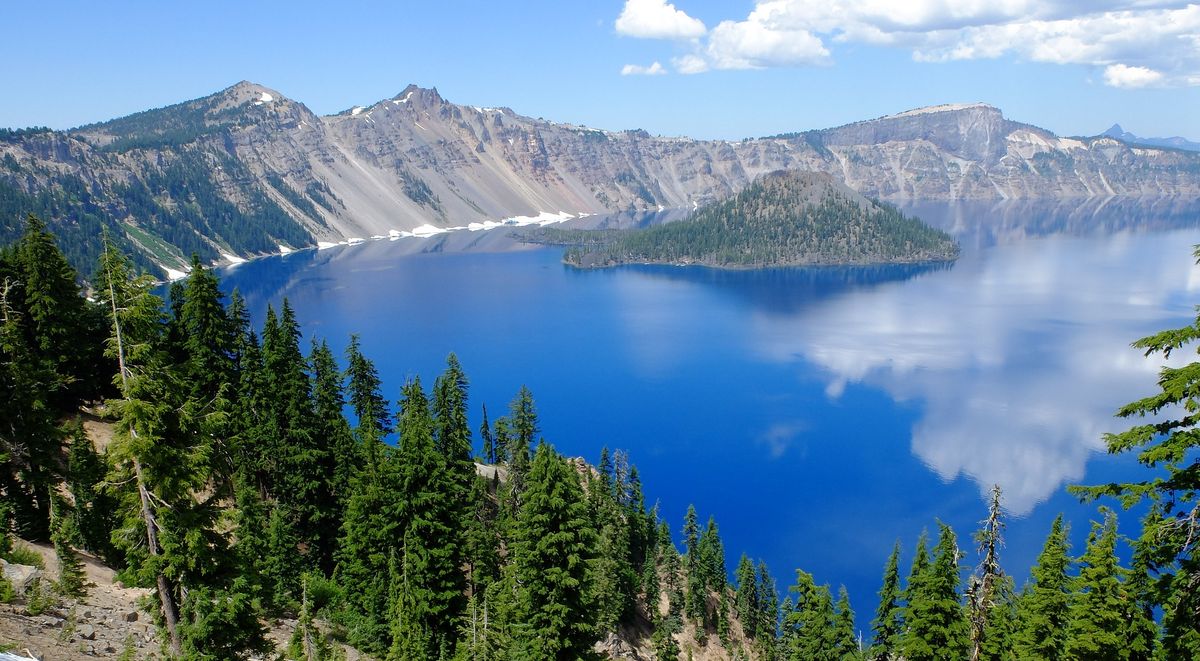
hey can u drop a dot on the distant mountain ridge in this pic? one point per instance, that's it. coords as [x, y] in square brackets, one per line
[247, 171]
[1176, 142]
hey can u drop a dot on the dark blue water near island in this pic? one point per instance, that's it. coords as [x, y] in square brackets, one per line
[818, 414]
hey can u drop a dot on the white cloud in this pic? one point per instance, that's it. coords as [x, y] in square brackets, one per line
[1120, 75]
[690, 64]
[655, 69]
[657, 19]
[1135, 42]
[755, 44]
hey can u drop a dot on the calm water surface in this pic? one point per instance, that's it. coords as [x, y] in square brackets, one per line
[818, 414]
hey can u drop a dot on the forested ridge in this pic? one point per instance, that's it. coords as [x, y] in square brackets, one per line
[782, 219]
[252, 478]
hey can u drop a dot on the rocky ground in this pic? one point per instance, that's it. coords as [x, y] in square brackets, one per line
[104, 624]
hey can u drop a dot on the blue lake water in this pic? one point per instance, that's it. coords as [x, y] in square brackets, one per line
[818, 414]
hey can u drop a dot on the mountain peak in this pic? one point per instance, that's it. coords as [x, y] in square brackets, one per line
[1114, 131]
[247, 92]
[946, 107]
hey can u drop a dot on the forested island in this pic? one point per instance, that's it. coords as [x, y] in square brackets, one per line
[273, 503]
[788, 218]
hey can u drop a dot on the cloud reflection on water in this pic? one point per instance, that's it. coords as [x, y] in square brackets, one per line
[1018, 356]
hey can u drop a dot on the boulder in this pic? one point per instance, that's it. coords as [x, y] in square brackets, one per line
[20, 576]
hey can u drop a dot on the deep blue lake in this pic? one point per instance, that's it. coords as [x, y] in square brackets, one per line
[818, 414]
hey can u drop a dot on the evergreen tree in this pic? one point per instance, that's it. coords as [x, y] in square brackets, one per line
[29, 436]
[551, 548]
[340, 457]
[514, 435]
[431, 594]
[501, 435]
[889, 621]
[845, 638]
[60, 326]
[768, 606]
[370, 408]
[808, 628]
[208, 335]
[72, 581]
[1169, 539]
[936, 624]
[986, 588]
[171, 539]
[452, 439]
[489, 444]
[483, 541]
[1105, 621]
[373, 521]
[1045, 603]
[694, 597]
[299, 461]
[612, 571]
[95, 510]
[746, 598]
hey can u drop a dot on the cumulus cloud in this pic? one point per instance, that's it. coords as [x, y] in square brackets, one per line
[657, 19]
[655, 69]
[755, 44]
[690, 64]
[1135, 42]
[1119, 75]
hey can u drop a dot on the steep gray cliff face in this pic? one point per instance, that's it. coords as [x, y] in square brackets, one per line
[248, 171]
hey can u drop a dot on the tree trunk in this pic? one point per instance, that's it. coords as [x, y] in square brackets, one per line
[166, 592]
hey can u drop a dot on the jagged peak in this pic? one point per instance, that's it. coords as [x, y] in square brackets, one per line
[1115, 131]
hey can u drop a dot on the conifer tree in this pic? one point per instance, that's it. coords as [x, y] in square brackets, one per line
[845, 638]
[94, 513]
[432, 593]
[500, 435]
[452, 438]
[986, 589]
[514, 435]
[1045, 603]
[1105, 621]
[889, 621]
[1171, 492]
[208, 335]
[612, 571]
[483, 540]
[936, 624]
[694, 598]
[746, 599]
[768, 605]
[300, 459]
[340, 457]
[489, 444]
[60, 325]
[29, 436]
[370, 408]
[72, 581]
[551, 548]
[372, 523]
[808, 629]
[170, 537]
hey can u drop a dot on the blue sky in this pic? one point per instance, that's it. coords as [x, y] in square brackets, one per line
[716, 69]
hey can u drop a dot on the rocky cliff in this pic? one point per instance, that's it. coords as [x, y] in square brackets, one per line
[247, 171]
